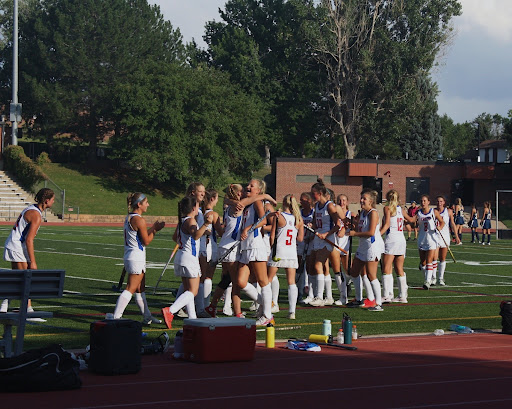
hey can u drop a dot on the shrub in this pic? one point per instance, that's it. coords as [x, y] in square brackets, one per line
[43, 159]
[26, 171]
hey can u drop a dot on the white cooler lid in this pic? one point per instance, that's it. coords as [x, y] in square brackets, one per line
[220, 322]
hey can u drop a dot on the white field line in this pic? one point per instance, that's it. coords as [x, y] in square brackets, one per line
[98, 244]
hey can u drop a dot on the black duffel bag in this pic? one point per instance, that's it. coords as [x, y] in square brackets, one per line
[37, 370]
[506, 317]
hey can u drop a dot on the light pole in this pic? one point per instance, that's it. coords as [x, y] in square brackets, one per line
[15, 110]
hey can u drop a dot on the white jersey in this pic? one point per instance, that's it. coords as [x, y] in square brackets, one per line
[16, 240]
[395, 243]
[308, 218]
[188, 252]
[445, 231]
[134, 250]
[427, 239]
[202, 240]
[211, 244]
[232, 229]
[287, 238]
[255, 239]
[370, 248]
[324, 224]
[344, 241]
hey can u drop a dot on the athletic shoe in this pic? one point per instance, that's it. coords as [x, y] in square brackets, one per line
[203, 314]
[441, 282]
[211, 310]
[317, 302]
[459, 243]
[402, 300]
[488, 244]
[182, 313]
[253, 306]
[376, 308]
[275, 308]
[340, 302]
[241, 315]
[426, 285]
[168, 317]
[291, 315]
[355, 304]
[329, 301]
[306, 300]
[387, 300]
[433, 282]
[368, 304]
[227, 310]
[264, 321]
[151, 320]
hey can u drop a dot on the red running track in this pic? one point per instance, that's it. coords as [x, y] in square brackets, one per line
[450, 371]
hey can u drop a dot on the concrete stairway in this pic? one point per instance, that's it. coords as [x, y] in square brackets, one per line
[13, 199]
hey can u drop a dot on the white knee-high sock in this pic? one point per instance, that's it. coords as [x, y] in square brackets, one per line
[434, 269]
[251, 291]
[387, 282]
[368, 287]
[312, 284]
[339, 283]
[358, 287]
[266, 300]
[191, 309]
[122, 303]
[140, 299]
[199, 299]
[377, 291]
[320, 285]
[442, 267]
[227, 296]
[424, 270]
[274, 285]
[181, 290]
[430, 270]
[293, 293]
[207, 289]
[183, 300]
[402, 286]
[328, 286]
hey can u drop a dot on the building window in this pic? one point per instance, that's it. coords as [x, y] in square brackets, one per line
[306, 178]
[335, 180]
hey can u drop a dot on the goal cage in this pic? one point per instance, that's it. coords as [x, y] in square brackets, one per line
[503, 207]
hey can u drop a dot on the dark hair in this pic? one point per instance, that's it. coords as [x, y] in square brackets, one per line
[320, 187]
[185, 206]
[193, 187]
[209, 195]
[134, 199]
[44, 194]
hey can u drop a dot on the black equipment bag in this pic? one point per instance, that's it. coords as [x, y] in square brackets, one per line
[506, 317]
[38, 370]
[115, 346]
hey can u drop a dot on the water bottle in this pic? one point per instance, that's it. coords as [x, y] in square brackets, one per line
[347, 329]
[438, 332]
[339, 338]
[461, 329]
[270, 336]
[178, 345]
[354, 332]
[327, 327]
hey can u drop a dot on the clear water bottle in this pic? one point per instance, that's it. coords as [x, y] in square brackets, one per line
[354, 332]
[461, 329]
[327, 327]
[438, 332]
[339, 338]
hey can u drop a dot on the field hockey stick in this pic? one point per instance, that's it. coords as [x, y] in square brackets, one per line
[446, 244]
[327, 240]
[121, 281]
[274, 245]
[213, 263]
[350, 348]
[280, 328]
[349, 265]
[165, 268]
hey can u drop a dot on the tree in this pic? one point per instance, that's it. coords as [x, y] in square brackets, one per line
[457, 138]
[507, 129]
[75, 54]
[372, 52]
[181, 124]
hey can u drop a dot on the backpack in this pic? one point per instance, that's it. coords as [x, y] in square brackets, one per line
[38, 370]
[506, 317]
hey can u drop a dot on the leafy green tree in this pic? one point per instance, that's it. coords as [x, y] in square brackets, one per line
[75, 54]
[507, 129]
[457, 138]
[181, 124]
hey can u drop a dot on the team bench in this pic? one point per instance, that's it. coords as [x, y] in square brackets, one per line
[24, 285]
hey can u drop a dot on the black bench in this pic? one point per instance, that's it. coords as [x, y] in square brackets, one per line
[24, 285]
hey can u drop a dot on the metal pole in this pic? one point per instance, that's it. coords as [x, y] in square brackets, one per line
[63, 201]
[15, 70]
[497, 218]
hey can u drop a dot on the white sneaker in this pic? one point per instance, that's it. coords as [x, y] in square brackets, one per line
[291, 315]
[182, 313]
[387, 300]
[253, 306]
[433, 282]
[203, 314]
[306, 300]
[376, 308]
[402, 300]
[151, 320]
[264, 321]
[275, 308]
[227, 310]
[329, 301]
[441, 282]
[340, 302]
[317, 302]
[426, 285]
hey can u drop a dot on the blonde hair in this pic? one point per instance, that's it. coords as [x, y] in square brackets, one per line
[233, 190]
[134, 199]
[261, 185]
[340, 196]
[372, 194]
[290, 202]
[392, 197]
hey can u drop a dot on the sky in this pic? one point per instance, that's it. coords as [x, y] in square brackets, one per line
[474, 74]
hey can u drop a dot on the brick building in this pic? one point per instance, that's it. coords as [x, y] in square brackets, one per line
[473, 182]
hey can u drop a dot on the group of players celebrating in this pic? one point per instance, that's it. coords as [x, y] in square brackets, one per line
[305, 240]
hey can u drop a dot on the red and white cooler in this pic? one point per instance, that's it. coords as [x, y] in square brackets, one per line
[219, 339]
